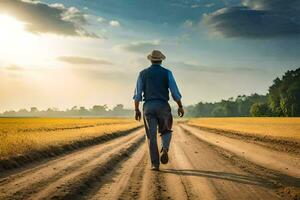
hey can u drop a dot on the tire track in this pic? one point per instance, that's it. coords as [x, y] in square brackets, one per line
[287, 187]
[207, 175]
[133, 189]
[25, 184]
[155, 186]
[145, 183]
[39, 156]
[279, 161]
[79, 185]
[117, 181]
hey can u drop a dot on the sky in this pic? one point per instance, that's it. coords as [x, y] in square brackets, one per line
[62, 53]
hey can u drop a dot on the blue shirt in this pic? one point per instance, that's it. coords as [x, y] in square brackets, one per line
[138, 92]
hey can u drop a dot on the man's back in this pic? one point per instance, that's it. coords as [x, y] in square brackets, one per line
[155, 83]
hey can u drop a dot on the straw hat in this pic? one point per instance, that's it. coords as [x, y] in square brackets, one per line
[156, 55]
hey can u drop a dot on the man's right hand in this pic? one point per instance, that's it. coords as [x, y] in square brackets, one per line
[180, 112]
[138, 115]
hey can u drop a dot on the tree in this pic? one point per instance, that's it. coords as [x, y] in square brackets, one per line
[284, 94]
[34, 110]
[83, 111]
[22, 112]
[232, 107]
[118, 108]
[259, 110]
[99, 110]
[219, 112]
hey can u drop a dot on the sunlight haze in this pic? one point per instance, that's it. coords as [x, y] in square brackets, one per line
[65, 53]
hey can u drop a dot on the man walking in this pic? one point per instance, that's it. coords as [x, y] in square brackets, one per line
[153, 87]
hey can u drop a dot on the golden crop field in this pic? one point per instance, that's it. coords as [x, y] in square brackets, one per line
[276, 127]
[22, 135]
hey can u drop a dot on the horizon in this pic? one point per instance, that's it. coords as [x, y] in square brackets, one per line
[110, 107]
[58, 53]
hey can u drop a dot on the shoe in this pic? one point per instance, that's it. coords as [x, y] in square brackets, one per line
[154, 168]
[164, 159]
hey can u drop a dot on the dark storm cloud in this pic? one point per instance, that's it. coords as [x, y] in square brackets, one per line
[43, 18]
[257, 19]
[82, 60]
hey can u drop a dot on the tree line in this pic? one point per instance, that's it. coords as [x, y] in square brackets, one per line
[233, 107]
[75, 111]
[282, 100]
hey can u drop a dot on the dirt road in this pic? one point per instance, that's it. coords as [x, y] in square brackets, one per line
[202, 165]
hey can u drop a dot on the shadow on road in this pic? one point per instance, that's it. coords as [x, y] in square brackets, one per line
[239, 178]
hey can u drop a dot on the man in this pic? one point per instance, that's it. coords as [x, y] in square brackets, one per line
[153, 87]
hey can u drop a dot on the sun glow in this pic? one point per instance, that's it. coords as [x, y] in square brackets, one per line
[13, 39]
[9, 23]
[18, 46]
[11, 32]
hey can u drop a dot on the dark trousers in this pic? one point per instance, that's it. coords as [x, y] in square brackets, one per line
[157, 115]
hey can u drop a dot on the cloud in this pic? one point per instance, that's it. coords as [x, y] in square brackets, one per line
[47, 18]
[141, 46]
[201, 68]
[113, 76]
[100, 19]
[257, 19]
[72, 14]
[195, 67]
[114, 23]
[209, 5]
[14, 68]
[183, 38]
[195, 6]
[188, 24]
[82, 60]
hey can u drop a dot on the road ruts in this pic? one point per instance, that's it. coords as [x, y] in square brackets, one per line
[120, 169]
[56, 179]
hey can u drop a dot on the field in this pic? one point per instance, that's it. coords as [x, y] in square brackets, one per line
[275, 127]
[23, 135]
[204, 163]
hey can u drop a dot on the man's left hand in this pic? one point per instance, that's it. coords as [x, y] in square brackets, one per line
[180, 112]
